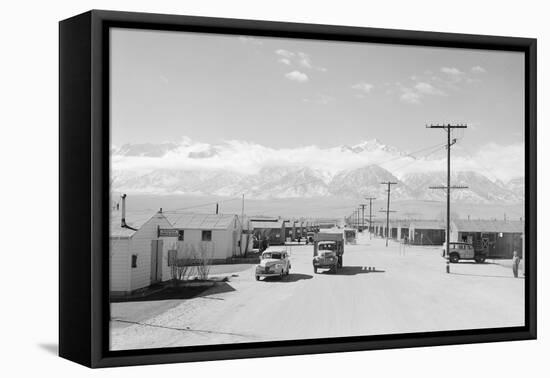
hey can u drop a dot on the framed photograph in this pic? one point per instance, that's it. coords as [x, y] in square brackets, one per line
[235, 188]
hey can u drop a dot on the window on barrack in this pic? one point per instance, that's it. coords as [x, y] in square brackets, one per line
[206, 235]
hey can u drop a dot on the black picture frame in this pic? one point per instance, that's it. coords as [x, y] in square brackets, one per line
[84, 187]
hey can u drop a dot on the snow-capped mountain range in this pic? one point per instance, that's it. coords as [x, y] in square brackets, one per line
[259, 172]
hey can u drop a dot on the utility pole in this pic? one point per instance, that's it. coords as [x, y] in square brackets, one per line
[388, 211]
[370, 214]
[362, 216]
[242, 226]
[449, 129]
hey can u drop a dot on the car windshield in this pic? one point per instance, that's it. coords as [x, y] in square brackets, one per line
[326, 247]
[272, 255]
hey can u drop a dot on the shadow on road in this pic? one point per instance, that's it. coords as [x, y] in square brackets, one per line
[220, 288]
[169, 292]
[352, 271]
[292, 277]
[485, 275]
[475, 263]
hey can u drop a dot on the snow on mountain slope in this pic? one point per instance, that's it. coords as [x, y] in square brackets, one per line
[479, 188]
[233, 168]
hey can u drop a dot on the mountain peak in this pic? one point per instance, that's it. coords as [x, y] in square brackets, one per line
[370, 145]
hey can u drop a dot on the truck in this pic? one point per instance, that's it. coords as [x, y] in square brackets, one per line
[350, 235]
[328, 251]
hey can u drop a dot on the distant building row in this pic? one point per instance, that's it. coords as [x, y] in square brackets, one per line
[498, 237]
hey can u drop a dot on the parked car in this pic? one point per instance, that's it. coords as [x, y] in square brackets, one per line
[310, 236]
[274, 262]
[464, 251]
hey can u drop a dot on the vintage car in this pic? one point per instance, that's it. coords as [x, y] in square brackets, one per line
[328, 251]
[464, 251]
[274, 263]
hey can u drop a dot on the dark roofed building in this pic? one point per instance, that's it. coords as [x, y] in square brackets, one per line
[499, 238]
[271, 228]
[427, 232]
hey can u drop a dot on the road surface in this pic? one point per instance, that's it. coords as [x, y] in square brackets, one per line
[408, 292]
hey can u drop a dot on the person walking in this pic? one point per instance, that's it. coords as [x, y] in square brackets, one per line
[515, 264]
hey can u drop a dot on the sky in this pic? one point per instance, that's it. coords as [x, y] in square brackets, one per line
[291, 94]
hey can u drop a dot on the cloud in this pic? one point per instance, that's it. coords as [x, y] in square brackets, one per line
[285, 53]
[428, 89]
[409, 96]
[419, 90]
[304, 60]
[298, 76]
[285, 61]
[503, 161]
[419, 86]
[478, 69]
[363, 87]
[451, 71]
[299, 58]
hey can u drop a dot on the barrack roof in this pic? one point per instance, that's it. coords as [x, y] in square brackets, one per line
[427, 225]
[133, 219]
[487, 225]
[200, 221]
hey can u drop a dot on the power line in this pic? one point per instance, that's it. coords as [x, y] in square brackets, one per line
[433, 151]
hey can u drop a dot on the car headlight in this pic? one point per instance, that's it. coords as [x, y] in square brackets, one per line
[278, 266]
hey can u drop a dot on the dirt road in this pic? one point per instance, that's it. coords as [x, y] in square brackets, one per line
[408, 292]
